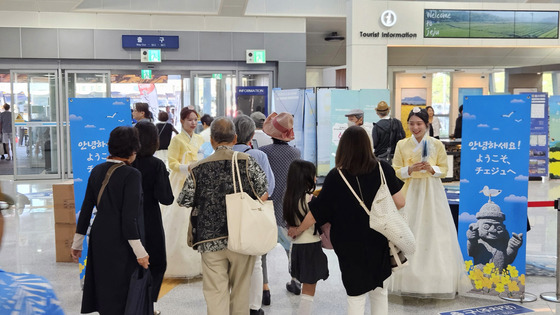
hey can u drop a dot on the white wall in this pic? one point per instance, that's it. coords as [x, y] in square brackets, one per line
[367, 56]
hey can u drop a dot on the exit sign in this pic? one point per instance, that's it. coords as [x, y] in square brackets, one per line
[255, 56]
[216, 76]
[146, 74]
[150, 55]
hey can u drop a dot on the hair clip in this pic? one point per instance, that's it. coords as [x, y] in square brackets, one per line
[416, 110]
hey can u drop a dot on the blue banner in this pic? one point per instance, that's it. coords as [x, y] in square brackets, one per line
[91, 122]
[494, 188]
[324, 129]
[310, 127]
[538, 160]
[291, 101]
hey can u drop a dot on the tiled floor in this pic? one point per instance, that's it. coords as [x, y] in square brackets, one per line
[28, 246]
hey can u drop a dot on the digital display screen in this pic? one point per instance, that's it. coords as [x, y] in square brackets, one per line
[490, 24]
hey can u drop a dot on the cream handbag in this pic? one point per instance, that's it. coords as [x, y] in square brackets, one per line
[384, 217]
[251, 223]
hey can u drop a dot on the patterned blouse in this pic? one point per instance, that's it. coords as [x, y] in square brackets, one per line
[206, 189]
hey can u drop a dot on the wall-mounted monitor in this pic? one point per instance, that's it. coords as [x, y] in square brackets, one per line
[490, 24]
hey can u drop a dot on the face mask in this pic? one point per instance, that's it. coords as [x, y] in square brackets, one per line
[351, 123]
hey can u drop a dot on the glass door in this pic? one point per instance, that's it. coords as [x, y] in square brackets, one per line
[80, 84]
[258, 79]
[214, 93]
[35, 111]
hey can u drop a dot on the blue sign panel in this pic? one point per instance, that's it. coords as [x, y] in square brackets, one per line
[91, 122]
[150, 41]
[494, 184]
[309, 152]
[538, 160]
[501, 309]
[252, 98]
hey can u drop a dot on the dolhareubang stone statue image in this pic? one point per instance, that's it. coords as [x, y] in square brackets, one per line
[488, 240]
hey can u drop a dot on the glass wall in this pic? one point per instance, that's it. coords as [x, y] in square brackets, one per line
[36, 113]
[441, 90]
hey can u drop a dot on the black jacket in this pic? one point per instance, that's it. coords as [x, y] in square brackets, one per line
[385, 134]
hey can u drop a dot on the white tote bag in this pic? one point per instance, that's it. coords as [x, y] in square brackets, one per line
[251, 223]
[385, 218]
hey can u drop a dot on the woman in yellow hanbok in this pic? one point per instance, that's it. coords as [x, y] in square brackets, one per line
[182, 261]
[436, 269]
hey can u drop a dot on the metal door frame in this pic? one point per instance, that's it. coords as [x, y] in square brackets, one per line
[56, 104]
[193, 77]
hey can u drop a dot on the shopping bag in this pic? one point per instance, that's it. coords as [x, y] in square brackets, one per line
[139, 300]
[251, 223]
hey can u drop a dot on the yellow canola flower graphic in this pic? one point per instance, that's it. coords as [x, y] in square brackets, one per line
[478, 274]
[487, 283]
[500, 288]
[514, 273]
[496, 279]
[478, 284]
[468, 265]
[505, 280]
[488, 268]
[513, 287]
[521, 279]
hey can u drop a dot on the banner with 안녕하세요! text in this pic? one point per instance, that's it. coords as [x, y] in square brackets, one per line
[91, 122]
[494, 188]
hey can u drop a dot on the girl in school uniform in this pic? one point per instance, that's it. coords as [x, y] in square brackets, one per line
[308, 263]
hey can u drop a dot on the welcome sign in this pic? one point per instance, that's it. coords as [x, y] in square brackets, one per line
[91, 122]
[494, 188]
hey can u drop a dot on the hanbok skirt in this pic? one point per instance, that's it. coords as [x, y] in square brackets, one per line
[436, 269]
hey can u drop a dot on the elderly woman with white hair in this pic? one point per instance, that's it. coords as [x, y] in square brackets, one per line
[280, 127]
[245, 129]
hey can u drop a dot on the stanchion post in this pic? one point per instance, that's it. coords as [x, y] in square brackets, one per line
[555, 296]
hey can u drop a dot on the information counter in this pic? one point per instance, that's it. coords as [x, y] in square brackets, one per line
[453, 149]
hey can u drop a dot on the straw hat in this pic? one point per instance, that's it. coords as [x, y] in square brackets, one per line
[382, 106]
[280, 126]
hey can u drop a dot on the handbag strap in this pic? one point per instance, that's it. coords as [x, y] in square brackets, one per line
[383, 182]
[353, 192]
[234, 171]
[106, 180]
[381, 174]
[164, 125]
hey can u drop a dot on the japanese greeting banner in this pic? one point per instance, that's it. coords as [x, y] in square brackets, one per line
[91, 122]
[493, 191]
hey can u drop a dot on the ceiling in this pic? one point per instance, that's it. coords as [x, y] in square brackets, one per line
[319, 52]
